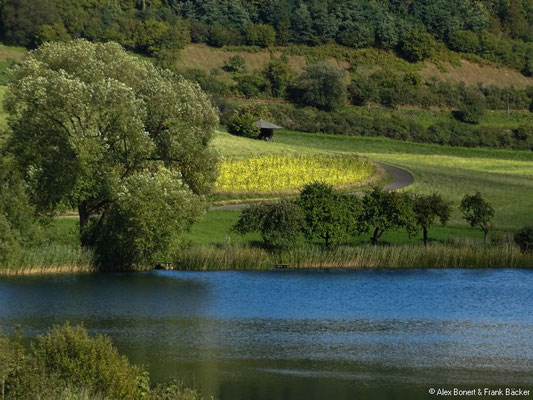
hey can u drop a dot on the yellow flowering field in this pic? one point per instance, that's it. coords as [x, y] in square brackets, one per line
[277, 173]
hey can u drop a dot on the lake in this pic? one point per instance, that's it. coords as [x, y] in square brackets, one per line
[385, 334]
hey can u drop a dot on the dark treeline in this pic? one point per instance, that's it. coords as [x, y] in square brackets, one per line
[498, 30]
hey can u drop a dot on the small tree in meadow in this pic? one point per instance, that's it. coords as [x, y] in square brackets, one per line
[280, 223]
[328, 214]
[427, 209]
[382, 211]
[478, 213]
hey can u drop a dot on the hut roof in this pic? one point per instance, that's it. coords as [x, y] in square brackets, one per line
[262, 124]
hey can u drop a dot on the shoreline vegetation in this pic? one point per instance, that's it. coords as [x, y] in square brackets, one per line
[222, 257]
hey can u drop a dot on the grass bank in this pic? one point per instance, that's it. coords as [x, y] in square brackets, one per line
[243, 257]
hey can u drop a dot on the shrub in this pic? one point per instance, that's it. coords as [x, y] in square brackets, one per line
[418, 45]
[251, 85]
[362, 90]
[322, 86]
[279, 223]
[235, 64]
[524, 239]
[79, 360]
[472, 109]
[220, 36]
[465, 41]
[244, 119]
[260, 35]
[279, 76]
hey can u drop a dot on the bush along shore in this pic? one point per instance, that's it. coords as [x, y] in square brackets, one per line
[51, 369]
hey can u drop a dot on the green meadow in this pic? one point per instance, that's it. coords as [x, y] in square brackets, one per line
[504, 177]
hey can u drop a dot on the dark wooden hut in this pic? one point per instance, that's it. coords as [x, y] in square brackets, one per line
[267, 129]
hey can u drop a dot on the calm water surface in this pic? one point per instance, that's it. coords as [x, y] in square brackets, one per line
[300, 335]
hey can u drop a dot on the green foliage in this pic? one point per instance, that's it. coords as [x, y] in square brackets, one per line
[362, 91]
[465, 41]
[235, 64]
[477, 212]
[260, 35]
[22, 20]
[152, 209]
[220, 36]
[279, 76]
[250, 85]
[472, 109]
[418, 45]
[359, 36]
[244, 120]
[427, 208]
[382, 211]
[279, 223]
[329, 215]
[76, 359]
[322, 86]
[524, 239]
[17, 223]
[497, 130]
[67, 363]
[117, 119]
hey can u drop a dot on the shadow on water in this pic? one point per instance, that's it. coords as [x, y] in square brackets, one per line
[299, 334]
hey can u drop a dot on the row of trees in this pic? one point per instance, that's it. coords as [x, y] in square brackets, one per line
[495, 29]
[325, 214]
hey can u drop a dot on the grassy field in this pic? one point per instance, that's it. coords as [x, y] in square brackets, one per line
[504, 177]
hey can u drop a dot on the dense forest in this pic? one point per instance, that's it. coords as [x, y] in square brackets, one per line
[497, 30]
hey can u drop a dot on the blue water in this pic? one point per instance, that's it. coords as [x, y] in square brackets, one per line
[346, 334]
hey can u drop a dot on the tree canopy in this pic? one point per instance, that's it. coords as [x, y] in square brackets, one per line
[87, 119]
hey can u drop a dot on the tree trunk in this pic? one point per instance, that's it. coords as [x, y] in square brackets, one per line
[84, 213]
[485, 233]
[425, 230]
[326, 238]
[375, 237]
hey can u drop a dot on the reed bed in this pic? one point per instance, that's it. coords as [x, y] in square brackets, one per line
[265, 174]
[239, 257]
[54, 259]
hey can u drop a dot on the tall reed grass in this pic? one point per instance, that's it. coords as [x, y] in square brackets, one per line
[53, 259]
[239, 257]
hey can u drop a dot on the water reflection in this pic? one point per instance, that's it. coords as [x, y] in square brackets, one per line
[291, 335]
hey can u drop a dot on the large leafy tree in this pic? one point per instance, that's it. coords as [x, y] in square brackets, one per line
[86, 119]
